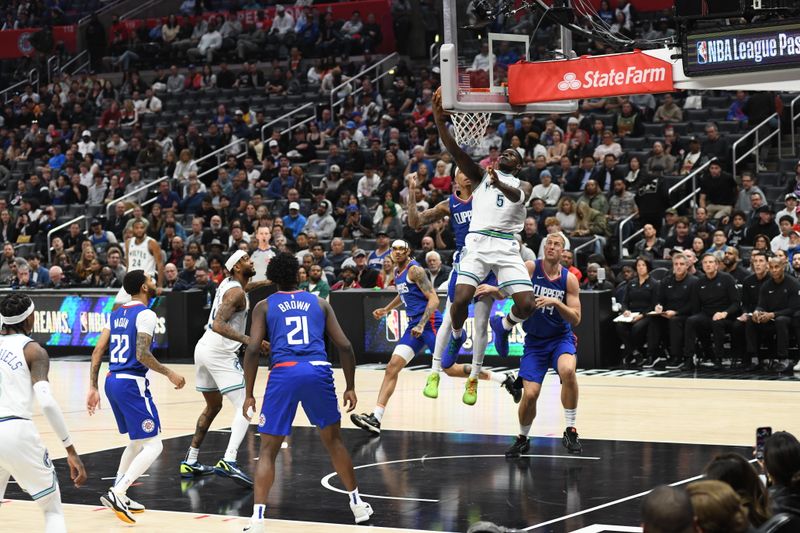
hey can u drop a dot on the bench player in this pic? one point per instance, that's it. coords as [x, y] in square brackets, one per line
[459, 209]
[295, 322]
[500, 198]
[130, 335]
[550, 341]
[218, 371]
[24, 366]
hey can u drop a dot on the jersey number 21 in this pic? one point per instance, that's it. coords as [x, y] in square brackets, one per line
[299, 332]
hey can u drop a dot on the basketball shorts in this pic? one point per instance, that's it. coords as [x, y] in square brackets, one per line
[132, 405]
[24, 457]
[484, 254]
[294, 382]
[408, 345]
[216, 370]
[541, 354]
[491, 279]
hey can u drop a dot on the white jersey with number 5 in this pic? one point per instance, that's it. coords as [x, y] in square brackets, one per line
[492, 211]
[237, 321]
[16, 390]
[139, 256]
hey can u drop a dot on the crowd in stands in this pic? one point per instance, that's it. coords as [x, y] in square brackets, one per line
[335, 190]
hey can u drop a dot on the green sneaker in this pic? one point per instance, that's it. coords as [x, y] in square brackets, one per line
[470, 391]
[431, 389]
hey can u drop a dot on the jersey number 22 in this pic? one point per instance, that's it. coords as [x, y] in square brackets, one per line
[120, 345]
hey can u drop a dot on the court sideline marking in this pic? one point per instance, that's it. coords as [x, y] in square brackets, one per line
[325, 481]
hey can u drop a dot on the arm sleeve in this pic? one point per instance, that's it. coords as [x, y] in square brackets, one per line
[146, 322]
[52, 411]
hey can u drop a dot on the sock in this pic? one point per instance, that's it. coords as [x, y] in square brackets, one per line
[524, 430]
[128, 455]
[378, 412]
[259, 511]
[239, 425]
[497, 377]
[475, 371]
[569, 416]
[457, 333]
[442, 337]
[151, 449]
[191, 457]
[510, 320]
[354, 497]
[436, 366]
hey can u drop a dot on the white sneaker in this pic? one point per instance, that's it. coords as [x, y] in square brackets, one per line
[362, 511]
[797, 367]
[255, 526]
[133, 506]
[111, 500]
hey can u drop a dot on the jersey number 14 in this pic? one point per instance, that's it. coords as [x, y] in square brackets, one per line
[120, 345]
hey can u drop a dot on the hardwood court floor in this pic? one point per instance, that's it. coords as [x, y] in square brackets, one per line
[699, 411]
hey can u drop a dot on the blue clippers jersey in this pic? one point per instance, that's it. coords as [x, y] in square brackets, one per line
[122, 343]
[413, 298]
[460, 217]
[296, 327]
[547, 322]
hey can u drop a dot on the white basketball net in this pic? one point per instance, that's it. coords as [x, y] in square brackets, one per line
[470, 128]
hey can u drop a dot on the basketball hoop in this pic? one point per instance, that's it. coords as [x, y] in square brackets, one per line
[469, 128]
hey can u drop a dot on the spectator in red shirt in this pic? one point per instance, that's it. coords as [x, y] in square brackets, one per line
[566, 261]
[441, 179]
[112, 113]
[422, 114]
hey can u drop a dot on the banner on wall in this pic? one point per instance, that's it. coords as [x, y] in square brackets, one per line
[77, 320]
[381, 336]
[248, 17]
[17, 43]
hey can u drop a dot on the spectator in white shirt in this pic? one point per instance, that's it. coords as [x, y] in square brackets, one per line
[790, 210]
[209, 43]
[86, 145]
[97, 190]
[149, 104]
[282, 30]
[368, 183]
[482, 60]
[548, 191]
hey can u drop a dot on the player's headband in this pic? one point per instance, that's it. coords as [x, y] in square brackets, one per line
[400, 243]
[234, 258]
[16, 319]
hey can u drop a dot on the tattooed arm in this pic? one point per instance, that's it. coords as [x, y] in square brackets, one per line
[418, 276]
[233, 301]
[253, 285]
[146, 357]
[416, 219]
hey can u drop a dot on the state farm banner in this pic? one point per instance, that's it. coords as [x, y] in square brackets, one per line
[17, 43]
[588, 77]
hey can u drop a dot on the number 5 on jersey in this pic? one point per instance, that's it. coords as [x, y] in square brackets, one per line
[299, 333]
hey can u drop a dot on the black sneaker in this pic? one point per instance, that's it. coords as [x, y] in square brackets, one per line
[781, 366]
[659, 362]
[648, 362]
[521, 446]
[570, 440]
[674, 364]
[707, 362]
[508, 384]
[367, 422]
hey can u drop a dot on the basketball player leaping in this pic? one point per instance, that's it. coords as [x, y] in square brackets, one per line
[295, 322]
[500, 198]
[24, 366]
[218, 371]
[550, 341]
[415, 291]
[129, 335]
[459, 208]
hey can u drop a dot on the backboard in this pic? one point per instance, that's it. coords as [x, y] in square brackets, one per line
[479, 85]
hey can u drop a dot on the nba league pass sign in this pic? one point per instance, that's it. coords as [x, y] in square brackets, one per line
[742, 49]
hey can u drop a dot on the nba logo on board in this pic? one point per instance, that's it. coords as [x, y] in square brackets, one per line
[702, 52]
[393, 328]
[148, 425]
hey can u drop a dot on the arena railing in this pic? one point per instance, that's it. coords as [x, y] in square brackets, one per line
[59, 228]
[377, 66]
[81, 60]
[692, 176]
[33, 79]
[586, 244]
[53, 66]
[759, 142]
[133, 193]
[221, 152]
[794, 117]
[138, 9]
[288, 117]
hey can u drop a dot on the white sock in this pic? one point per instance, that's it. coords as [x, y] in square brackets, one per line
[497, 377]
[239, 424]
[354, 496]
[128, 455]
[378, 412]
[525, 430]
[510, 320]
[436, 366]
[151, 449]
[569, 416]
[457, 333]
[191, 457]
[259, 511]
[475, 371]
[442, 336]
